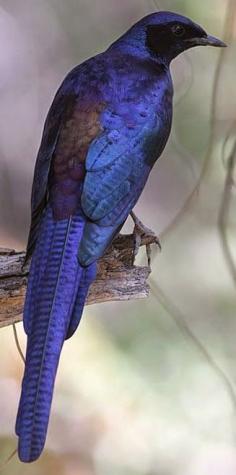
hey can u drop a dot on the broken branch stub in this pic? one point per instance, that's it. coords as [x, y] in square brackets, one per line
[117, 278]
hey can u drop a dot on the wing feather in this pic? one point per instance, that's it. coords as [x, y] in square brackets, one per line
[111, 177]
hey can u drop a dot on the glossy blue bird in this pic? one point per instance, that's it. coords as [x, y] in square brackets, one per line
[109, 122]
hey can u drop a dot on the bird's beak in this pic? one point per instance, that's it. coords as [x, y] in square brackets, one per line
[207, 41]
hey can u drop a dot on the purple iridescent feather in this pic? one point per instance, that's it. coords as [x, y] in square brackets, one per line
[47, 323]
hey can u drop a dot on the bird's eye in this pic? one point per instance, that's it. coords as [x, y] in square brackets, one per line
[178, 30]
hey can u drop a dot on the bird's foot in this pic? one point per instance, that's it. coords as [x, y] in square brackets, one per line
[143, 232]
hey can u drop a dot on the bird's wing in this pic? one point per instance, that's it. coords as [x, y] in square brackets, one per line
[117, 165]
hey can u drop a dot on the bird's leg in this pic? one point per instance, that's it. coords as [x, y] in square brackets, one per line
[141, 231]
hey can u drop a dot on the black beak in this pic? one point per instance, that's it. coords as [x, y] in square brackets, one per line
[206, 41]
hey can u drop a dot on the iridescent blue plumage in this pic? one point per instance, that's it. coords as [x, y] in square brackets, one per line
[108, 124]
[47, 327]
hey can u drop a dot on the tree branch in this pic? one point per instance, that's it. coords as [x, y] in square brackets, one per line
[117, 279]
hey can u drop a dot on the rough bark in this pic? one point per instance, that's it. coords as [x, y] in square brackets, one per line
[117, 279]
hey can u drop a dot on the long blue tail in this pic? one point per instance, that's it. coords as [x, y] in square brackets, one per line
[56, 293]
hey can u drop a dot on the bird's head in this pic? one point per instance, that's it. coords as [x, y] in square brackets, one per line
[165, 35]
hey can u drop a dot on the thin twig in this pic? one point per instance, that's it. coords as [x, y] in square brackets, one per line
[224, 214]
[179, 319]
[183, 95]
[227, 36]
[3, 466]
[18, 343]
[156, 4]
[229, 135]
[182, 151]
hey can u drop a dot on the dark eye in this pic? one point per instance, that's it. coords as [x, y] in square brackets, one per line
[178, 30]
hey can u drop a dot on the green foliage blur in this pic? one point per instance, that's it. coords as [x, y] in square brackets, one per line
[144, 387]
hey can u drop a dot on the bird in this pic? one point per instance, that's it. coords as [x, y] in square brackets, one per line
[108, 124]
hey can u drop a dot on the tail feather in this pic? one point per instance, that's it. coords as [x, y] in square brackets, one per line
[88, 276]
[37, 267]
[47, 321]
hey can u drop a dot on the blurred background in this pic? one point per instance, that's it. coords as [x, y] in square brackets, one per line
[144, 387]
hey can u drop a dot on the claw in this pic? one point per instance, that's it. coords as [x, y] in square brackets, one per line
[140, 230]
